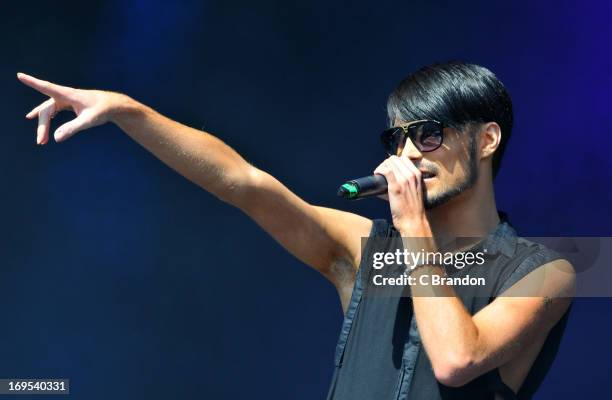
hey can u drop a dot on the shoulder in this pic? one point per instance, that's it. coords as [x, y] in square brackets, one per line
[530, 258]
[538, 274]
[548, 288]
[553, 278]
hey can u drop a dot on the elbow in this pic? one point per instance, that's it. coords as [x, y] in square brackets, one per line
[454, 370]
[236, 186]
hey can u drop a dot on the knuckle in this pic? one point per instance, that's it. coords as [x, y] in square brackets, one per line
[395, 188]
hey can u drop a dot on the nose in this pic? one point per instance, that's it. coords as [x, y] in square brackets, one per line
[409, 150]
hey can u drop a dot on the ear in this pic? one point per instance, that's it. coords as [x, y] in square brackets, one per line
[490, 137]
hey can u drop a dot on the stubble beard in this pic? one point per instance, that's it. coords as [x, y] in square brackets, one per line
[469, 181]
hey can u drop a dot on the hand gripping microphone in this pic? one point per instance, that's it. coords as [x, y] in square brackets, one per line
[363, 187]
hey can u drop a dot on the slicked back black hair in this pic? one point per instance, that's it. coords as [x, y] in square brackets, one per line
[456, 94]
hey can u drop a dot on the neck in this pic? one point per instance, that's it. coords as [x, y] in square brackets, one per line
[473, 213]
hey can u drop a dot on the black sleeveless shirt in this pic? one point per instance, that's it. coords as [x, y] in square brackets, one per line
[379, 355]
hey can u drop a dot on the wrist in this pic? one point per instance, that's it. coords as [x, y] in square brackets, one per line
[415, 228]
[122, 108]
[426, 269]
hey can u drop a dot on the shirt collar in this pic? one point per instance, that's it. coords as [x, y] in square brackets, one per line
[502, 239]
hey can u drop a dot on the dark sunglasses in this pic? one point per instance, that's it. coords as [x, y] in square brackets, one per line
[426, 135]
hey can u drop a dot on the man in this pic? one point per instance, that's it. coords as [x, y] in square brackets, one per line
[449, 127]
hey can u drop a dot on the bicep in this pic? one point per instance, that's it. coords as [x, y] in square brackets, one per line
[523, 313]
[318, 236]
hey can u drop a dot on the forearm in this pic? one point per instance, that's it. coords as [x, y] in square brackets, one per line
[447, 330]
[197, 155]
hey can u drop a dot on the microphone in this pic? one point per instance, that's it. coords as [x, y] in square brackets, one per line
[363, 187]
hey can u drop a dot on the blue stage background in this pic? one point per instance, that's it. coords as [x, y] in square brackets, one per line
[132, 282]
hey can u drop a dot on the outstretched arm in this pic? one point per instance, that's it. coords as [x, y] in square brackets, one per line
[324, 238]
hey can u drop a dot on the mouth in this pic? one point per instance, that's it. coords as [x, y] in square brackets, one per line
[427, 175]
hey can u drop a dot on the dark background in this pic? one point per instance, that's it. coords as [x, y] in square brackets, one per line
[132, 282]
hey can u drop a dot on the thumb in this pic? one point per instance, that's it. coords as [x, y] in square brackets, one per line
[70, 128]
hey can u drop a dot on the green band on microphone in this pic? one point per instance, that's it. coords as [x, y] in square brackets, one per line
[352, 189]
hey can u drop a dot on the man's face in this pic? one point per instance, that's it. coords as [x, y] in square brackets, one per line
[454, 165]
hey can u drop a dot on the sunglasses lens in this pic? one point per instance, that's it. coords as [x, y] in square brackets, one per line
[428, 136]
[392, 139]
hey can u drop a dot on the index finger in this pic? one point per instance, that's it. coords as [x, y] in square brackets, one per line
[48, 88]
